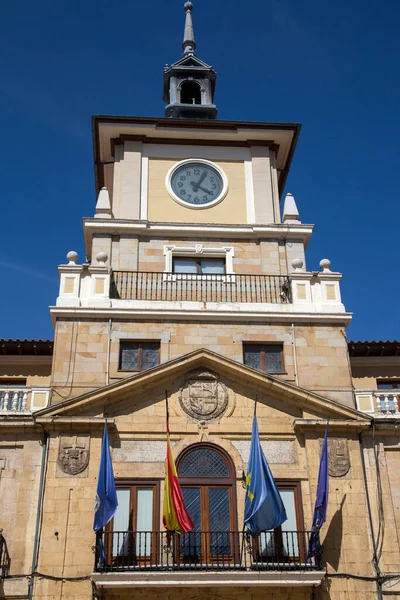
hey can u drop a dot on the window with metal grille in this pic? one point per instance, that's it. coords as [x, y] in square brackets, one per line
[203, 462]
[138, 356]
[267, 358]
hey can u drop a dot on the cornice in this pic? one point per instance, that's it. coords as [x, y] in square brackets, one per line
[193, 230]
[199, 315]
[374, 361]
[354, 425]
[13, 359]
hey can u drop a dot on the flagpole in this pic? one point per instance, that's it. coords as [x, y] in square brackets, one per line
[166, 409]
[244, 524]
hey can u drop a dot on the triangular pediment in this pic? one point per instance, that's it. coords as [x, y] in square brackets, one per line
[204, 368]
[190, 61]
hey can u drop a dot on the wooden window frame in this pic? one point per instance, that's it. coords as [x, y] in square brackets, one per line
[140, 349]
[134, 484]
[262, 346]
[198, 261]
[287, 484]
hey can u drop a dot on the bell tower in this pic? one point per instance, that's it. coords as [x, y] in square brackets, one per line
[189, 84]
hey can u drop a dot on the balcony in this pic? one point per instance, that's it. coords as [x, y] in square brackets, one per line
[204, 557]
[381, 403]
[181, 287]
[21, 400]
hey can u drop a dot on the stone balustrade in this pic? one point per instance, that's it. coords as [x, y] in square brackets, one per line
[379, 402]
[22, 400]
[301, 292]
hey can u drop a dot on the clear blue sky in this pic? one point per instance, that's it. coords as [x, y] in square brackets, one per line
[334, 67]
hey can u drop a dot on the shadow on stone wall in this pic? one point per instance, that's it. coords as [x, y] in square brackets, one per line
[333, 539]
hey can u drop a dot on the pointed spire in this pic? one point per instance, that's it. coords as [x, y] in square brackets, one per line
[290, 212]
[189, 45]
[103, 206]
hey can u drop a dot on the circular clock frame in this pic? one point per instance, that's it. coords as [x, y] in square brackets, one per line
[208, 163]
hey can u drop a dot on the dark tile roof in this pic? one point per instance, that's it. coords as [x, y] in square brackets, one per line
[374, 348]
[26, 347]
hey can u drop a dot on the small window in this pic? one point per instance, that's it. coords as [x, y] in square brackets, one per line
[203, 266]
[267, 358]
[139, 356]
[389, 384]
[12, 382]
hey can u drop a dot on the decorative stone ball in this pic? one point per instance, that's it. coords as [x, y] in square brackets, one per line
[188, 6]
[102, 257]
[72, 257]
[297, 264]
[325, 264]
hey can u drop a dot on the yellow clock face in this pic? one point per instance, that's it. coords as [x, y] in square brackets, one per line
[197, 183]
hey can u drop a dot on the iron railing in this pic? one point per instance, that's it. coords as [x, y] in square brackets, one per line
[180, 287]
[205, 550]
[4, 556]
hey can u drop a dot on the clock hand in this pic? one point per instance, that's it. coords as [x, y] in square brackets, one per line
[200, 181]
[203, 189]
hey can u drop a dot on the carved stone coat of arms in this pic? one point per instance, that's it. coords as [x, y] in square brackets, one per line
[203, 396]
[73, 454]
[338, 457]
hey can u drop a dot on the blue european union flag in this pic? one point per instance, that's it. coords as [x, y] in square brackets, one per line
[106, 496]
[321, 501]
[263, 509]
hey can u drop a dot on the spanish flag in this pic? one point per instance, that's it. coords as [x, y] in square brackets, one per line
[175, 516]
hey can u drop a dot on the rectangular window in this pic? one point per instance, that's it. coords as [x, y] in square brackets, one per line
[267, 358]
[138, 356]
[199, 266]
[131, 535]
[389, 384]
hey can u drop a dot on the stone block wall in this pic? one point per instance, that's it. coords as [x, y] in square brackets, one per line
[86, 353]
[20, 464]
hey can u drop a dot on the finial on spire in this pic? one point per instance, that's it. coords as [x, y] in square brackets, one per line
[189, 45]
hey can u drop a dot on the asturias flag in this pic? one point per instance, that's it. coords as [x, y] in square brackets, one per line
[263, 509]
[321, 501]
[106, 497]
[175, 516]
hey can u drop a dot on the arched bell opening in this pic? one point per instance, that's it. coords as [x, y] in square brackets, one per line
[190, 93]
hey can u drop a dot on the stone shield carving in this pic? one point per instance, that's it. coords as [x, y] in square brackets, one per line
[203, 396]
[338, 457]
[73, 454]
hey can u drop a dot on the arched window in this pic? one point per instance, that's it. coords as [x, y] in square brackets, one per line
[190, 93]
[207, 478]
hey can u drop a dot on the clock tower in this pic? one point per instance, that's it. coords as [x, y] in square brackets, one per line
[193, 245]
[189, 84]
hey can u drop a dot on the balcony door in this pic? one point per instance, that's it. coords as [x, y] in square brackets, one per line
[130, 536]
[207, 482]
